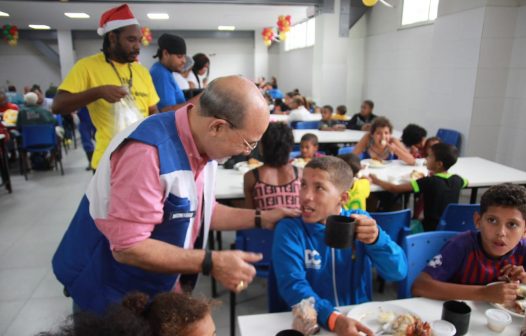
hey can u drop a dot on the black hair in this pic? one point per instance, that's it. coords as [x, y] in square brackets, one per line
[353, 161]
[312, 138]
[341, 109]
[413, 135]
[106, 42]
[328, 107]
[446, 154]
[370, 103]
[339, 171]
[200, 61]
[11, 88]
[276, 144]
[505, 195]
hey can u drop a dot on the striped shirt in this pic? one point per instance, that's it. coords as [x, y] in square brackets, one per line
[463, 261]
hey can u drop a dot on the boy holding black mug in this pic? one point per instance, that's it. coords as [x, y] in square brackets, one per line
[305, 266]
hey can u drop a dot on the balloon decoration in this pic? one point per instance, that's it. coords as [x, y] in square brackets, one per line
[283, 26]
[10, 34]
[146, 36]
[268, 36]
[369, 3]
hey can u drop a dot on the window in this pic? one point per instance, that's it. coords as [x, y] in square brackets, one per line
[301, 35]
[418, 11]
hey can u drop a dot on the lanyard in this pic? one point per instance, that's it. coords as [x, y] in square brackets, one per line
[123, 82]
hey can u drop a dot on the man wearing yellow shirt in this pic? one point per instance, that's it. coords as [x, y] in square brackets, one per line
[100, 80]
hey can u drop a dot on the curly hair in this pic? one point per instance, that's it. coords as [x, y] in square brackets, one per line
[276, 144]
[413, 135]
[381, 122]
[167, 314]
[505, 195]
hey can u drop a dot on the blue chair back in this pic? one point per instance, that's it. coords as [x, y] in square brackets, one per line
[345, 150]
[294, 154]
[396, 224]
[458, 217]
[419, 249]
[450, 137]
[41, 137]
[257, 241]
[306, 125]
[59, 119]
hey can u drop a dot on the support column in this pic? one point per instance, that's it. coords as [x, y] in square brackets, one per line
[65, 51]
[260, 56]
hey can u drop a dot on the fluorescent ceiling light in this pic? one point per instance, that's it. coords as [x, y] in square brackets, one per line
[38, 26]
[158, 16]
[4, 13]
[77, 15]
[230, 28]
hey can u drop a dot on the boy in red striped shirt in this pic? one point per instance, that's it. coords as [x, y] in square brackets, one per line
[471, 260]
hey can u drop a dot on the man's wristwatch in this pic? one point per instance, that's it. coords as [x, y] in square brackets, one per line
[206, 267]
[257, 219]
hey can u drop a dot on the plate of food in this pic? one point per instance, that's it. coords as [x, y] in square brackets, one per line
[389, 319]
[518, 309]
[245, 166]
[415, 175]
[300, 162]
[374, 163]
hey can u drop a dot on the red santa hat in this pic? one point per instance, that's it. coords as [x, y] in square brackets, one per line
[116, 18]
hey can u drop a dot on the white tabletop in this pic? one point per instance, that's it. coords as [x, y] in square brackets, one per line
[285, 117]
[330, 136]
[479, 172]
[2, 136]
[427, 310]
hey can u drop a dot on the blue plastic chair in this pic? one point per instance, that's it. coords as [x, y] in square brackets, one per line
[294, 154]
[257, 241]
[458, 217]
[396, 224]
[306, 125]
[450, 137]
[39, 138]
[419, 249]
[346, 150]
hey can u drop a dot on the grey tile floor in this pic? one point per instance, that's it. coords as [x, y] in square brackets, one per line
[32, 221]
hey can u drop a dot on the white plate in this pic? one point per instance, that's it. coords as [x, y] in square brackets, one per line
[299, 163]
[367, 313]
[501, 306]
[373, 165]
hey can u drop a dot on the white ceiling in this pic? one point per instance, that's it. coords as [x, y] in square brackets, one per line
[182, 16]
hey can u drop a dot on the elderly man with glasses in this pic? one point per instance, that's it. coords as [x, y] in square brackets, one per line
[143, 222]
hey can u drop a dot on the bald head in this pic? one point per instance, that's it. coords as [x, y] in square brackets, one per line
[235, 99]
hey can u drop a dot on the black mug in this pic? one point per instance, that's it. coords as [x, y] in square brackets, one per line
[339, 231]
[289, 332]
[458, 313]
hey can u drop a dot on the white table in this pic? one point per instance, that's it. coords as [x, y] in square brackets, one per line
[428, 310]
[346, 136]
[285, 118]
[479, 172]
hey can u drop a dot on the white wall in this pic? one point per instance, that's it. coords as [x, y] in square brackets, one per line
[23, 66]
[227, 57]
[293, 68]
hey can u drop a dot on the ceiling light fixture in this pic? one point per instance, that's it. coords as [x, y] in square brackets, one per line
[227, 28]
[39, 27]
[77, 15]
[158, 16]
[4, 14]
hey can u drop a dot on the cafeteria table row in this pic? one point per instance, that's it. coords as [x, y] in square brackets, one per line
[428, 310]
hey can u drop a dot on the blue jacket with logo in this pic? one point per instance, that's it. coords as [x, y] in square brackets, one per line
[305, 267]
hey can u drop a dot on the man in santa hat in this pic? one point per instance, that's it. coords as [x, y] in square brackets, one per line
[100, 80]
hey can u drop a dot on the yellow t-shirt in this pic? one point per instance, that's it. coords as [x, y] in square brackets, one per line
[94, 71]
[358, 194]
[339, 117]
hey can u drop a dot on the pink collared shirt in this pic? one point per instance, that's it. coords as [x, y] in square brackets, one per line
[137, 194]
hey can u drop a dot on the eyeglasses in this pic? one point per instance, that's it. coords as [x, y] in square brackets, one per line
[250, 146]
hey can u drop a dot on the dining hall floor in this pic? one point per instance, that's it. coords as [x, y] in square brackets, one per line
[32, 221]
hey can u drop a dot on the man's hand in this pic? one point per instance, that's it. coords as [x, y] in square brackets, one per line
[373, 178]
[112, 93]
[513, 273]
[504, 293]
[269, 218]
[232, 268]
[366, 229]
[346, 326]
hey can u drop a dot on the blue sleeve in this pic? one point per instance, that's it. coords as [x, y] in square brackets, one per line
[179, 95]
[163, 82]
[288, 262]
[388, 257]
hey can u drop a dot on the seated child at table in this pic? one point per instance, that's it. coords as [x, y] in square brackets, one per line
[471, 260]
[303, 263]
[167, 314]
[309, 147]
[414, 138]
[439, 189]
[327, 123]
[429, 143]
[379, 144]
[341, 113]
[361, 188]
[277, 182]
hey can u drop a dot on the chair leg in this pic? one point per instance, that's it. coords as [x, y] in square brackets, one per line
[24, 164]
[232, 314]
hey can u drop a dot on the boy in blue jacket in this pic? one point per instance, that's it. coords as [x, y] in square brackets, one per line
[306, 267]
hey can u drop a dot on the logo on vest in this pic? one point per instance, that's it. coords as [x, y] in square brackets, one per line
[436, 261]
[312, 259]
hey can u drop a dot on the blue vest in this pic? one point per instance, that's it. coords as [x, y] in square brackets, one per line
[84, 263]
